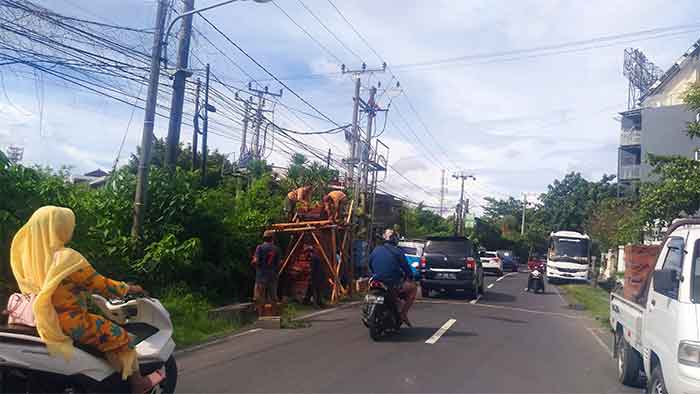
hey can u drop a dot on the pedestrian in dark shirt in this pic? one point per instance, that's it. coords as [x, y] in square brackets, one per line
[315, 288]
[266, 261]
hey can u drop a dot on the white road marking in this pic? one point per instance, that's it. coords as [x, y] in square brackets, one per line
[216, 341]
[505, 276]
[525, 289]
[573, 317]
[600, 341]
[475, 300]
[556, 290]
[440, 331]
[490, 286]
[323, 312]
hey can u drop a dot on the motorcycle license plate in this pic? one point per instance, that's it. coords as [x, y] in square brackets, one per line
[443, 275]
[372, 299]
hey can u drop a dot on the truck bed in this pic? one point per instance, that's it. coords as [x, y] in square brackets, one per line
[630, 316]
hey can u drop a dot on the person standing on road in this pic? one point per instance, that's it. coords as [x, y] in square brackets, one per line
[316, 282]
[266, 261]
[388, 264]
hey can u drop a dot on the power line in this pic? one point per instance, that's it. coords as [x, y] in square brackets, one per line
[347, 48]
[323, 47]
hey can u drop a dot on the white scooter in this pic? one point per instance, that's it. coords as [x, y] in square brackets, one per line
[27, 367]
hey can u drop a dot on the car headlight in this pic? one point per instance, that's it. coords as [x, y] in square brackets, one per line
[689, 353]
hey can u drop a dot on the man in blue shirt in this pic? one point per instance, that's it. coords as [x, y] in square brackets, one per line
[388, 265]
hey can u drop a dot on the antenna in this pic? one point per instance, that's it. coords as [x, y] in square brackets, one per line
[641, 74]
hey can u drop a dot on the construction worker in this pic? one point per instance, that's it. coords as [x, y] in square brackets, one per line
[300, 195]
[334, 203]
[266, 261]
[317, 276]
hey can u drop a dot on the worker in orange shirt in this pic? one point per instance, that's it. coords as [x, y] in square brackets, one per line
[334, 204]
[300, 195]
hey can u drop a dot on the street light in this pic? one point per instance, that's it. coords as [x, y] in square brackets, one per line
[197, 11]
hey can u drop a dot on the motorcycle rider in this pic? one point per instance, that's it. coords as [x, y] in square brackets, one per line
[389, 265]
[62, 280]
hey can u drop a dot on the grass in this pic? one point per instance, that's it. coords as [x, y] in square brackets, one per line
[291, 311]
[595, 300]
[190, 317]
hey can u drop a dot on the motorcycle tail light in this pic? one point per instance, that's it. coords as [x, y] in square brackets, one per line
[470, 263]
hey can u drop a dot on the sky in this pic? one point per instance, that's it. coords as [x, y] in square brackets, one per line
[515, 123]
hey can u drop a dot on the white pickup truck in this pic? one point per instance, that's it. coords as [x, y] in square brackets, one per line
[658, 344]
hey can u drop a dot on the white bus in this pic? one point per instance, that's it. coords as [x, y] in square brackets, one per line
[568, 256]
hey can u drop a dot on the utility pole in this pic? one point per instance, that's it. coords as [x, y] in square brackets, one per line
[522, 223]
[205, 131]
[255, 148]
[141, 195]
[328, 159]
[247, 103]
[195, 123]
[367, 152]
[355, 132]
[179, 79]
[442, 193]
[462, 207]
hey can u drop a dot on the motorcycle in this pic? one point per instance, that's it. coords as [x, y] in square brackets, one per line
[380, 310]
[535, 280]
[27, 367]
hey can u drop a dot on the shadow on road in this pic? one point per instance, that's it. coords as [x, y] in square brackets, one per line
[421, 334]
[492, 296]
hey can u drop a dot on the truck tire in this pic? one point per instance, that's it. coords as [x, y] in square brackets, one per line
[629, 364]
[657, 385]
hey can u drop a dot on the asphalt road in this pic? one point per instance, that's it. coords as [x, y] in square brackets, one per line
[508, 341]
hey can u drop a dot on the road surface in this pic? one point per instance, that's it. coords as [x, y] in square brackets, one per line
[508, 341]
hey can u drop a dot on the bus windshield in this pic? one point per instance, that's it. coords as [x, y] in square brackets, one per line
[570, 247]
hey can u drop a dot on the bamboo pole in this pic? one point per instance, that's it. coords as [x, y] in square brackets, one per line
[294, 230]
[289, 256]
[334, 293]
[347, 220]
[295, 224]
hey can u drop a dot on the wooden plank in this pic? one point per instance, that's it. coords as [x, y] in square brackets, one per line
[296, 230]
[347, 220]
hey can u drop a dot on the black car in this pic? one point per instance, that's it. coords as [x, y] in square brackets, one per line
[450, 263]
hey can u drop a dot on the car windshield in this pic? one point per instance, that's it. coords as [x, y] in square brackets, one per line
[451, 247]
[570, 247]
[409, 250]
[488, 255]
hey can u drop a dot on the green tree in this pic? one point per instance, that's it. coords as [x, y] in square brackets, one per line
[692, 100]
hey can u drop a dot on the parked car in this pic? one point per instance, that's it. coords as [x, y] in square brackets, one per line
[413, 250]
[450, 263]
[509, 262]
[491, 262]
[657, 336]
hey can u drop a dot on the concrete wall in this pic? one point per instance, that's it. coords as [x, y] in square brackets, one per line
[663, 133]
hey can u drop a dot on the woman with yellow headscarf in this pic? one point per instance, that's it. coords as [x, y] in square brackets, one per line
[62, 280]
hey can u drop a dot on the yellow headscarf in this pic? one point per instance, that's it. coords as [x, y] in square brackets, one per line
[40, 261]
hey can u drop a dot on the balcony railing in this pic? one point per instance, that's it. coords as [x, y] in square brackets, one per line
[630, 172]
[630, 137]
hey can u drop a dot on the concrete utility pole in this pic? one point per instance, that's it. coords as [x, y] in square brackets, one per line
[205, 131]
[247, 103]
[522, 224]
[141, 195]
[462, 208]
[255, 148]
[181, 74]
[195, 123]
[355, 132]
[442, 194]
[367, 152]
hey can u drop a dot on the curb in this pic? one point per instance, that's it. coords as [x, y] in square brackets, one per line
[239, 333]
